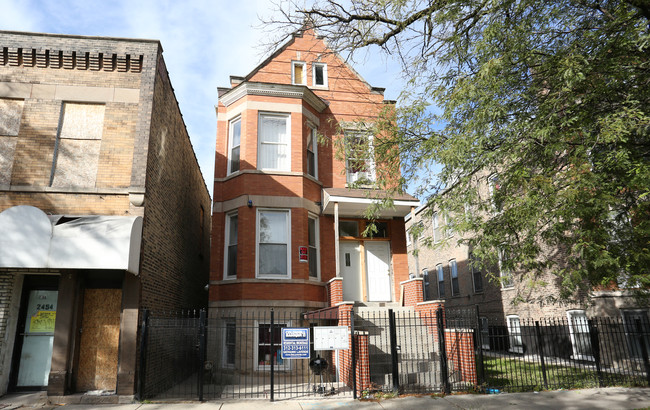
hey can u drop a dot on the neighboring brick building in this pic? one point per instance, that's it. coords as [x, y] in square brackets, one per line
[501, 297]
[103, 209]
[285, 223]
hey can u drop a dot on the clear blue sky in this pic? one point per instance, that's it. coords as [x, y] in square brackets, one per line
[204, 42]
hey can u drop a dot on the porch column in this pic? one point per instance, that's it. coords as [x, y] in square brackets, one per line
[59, 379]
[336, 239]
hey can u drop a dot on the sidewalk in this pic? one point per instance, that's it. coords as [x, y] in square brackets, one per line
[607, 398]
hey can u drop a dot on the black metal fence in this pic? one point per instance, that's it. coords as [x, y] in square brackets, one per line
[232, 355]
[235, 354]
[528, 355]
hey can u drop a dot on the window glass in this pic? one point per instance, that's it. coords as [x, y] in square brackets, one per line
[436, 227]
[580, 338]
[349, 228]
[441, 281]
[360, 163]
[273, 243]
[230, 342]
[514, 333]
[231, 245]
[312, 166]
[274, 142]
[320, 74]
[637, 331]
[312, 229]
[235, 140]
[264, 353]
[455, 290]
[504, 274]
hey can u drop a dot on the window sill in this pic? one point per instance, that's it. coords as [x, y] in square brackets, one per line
[508, 288]
[519, 350]
[583, 357]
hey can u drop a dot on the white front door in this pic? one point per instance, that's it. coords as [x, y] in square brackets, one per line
[350, 268]
[378, 271]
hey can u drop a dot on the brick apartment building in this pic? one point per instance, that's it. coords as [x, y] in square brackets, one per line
[103, 209]
[502, 296]
[286, 225]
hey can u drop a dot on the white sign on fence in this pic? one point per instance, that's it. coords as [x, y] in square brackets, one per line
[331, 338]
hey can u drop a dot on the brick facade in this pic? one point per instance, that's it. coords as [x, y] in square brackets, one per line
[145, 167]
[251, 189]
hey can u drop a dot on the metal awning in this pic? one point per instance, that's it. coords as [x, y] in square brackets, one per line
[32, 239]
[354, 202]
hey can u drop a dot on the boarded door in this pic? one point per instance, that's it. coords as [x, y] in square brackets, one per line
[100, 337]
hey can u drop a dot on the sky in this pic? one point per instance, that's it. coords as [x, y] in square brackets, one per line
[204, 43]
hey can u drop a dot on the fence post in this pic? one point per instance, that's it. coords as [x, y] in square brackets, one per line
[393, 349]
[479, 347]
[354, 356]
[143, 353]
[272, 364]
[444, 371]
[644, 349]
[595, 350]
[202, 346]
[540, 351]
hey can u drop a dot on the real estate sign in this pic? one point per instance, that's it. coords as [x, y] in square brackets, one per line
[295, 343]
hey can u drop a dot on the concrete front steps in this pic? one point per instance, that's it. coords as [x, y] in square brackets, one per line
[418, 359]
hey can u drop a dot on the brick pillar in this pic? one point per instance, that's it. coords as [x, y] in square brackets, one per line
[335, 291]
[460, 351]
[427, 313]
[363, 361]
[413, 291]
[346, 355]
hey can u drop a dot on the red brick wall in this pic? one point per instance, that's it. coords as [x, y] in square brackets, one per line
[413, 291]
[460, 351]
[335, 291]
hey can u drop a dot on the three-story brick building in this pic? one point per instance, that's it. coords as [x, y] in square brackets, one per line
[286, 222]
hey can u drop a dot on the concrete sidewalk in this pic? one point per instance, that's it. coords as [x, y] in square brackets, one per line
[606, 398]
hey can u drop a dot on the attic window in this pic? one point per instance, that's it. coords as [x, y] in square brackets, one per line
[320, 75]
[298, 73]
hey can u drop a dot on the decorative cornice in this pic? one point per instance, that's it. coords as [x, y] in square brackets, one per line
[80, 60]
[273, 90]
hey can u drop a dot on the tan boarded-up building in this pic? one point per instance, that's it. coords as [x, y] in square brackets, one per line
[103, 209]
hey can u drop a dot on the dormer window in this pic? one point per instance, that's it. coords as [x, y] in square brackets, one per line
[298, 72]
[319, 75]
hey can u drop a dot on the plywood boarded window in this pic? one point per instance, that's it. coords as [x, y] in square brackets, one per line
[11, 112]
[77, 150]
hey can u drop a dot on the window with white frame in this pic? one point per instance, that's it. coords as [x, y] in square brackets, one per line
[453, 272]
[298, 73]
[514, 334]
[312, 232]
[359, 158]
[234, 142]
[505, 276]
[449, 226]
[435, 222]
[230, 270]
[319, 74]
[441, 281]
[229, 342]
[408, 237]
[274, 142]
[580, 338]
[312, 153]
[273, 238]
[265, 354]
[495, 196]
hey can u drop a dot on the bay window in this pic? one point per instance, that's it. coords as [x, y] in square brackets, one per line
[273, 238]
[274, 148]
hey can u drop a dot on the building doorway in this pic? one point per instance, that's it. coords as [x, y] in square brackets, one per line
[35, 333]
[350, 268]
[378, 271]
